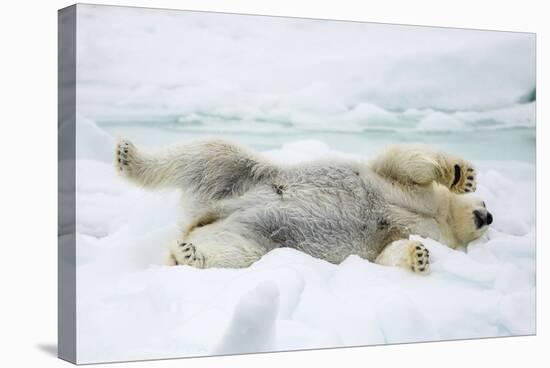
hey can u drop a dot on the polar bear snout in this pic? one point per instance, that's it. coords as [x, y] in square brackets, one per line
[482, 218]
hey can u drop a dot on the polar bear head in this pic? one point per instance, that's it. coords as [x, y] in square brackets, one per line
[468, 217]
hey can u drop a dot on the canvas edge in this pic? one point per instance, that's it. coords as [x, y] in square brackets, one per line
[66, 296]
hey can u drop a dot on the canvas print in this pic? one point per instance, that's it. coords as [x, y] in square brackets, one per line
[248, 183]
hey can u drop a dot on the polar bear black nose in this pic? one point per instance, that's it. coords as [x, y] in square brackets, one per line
[489, 218]
[482, 218]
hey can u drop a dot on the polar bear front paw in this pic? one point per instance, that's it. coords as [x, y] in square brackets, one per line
[457, 174]
[419, 257]
[185, 253]
[125, 157]
[464, 178]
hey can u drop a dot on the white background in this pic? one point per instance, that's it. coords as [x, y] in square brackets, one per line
[28, 263]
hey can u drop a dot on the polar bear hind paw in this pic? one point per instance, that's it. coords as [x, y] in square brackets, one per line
[185, 253]
[125, 156]
[419, 258]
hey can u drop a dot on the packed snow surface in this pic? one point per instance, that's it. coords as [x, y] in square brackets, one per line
[295, 90]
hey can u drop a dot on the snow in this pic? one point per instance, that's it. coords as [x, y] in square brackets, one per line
[141, 62]
[272, 80]
[92, 142]
[130, 306]
[295, 90]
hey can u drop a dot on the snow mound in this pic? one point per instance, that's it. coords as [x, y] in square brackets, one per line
[252, 328]
[92, 142]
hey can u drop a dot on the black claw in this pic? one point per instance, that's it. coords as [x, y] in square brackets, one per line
[418, 247]
[182, 244]
[470, 169]
[468, 184]
[119, 160]
[470, 178]
[187, 256]
[467, 190]
[420, 262]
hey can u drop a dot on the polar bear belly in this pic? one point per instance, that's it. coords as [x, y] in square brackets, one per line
[329, 213]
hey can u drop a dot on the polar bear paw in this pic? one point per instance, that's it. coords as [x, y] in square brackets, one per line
[185, 253]
[125, 157]
[458, 175]
[419, 257]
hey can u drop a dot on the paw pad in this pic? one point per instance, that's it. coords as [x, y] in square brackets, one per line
[420, 258]
[124, 156]
[185, 253]
[464, 178]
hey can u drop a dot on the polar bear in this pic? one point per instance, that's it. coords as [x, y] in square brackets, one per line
[239, 205]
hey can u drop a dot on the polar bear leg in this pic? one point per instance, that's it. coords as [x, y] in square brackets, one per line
[211, 169]
[213, 246]
[417, 164]
[409, 254]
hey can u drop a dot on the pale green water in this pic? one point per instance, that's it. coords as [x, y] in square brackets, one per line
[517, 143]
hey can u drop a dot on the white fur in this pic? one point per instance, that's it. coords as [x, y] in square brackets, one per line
[240, 206]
